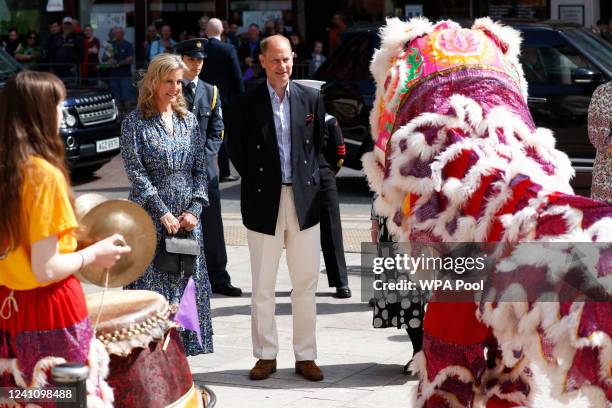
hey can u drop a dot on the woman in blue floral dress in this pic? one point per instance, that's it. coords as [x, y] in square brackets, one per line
[163, 155]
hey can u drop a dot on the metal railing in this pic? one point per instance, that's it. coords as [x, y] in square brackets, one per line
[97, 74]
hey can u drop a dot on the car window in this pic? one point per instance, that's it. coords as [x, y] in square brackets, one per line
[548, 58]
[553, 63]
[351, 61]
[598, 48]
[533, 66]
[8, 65]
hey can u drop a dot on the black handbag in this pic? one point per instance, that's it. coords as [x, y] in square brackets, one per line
[177, 255]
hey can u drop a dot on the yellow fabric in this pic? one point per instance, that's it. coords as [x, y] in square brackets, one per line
[214, 101]
[192, 399]
[46, 211]
[406, 205]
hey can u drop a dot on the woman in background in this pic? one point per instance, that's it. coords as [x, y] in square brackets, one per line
[163, 154]
[30, 53]
[43, 315]
[600, 134]
[394, 308]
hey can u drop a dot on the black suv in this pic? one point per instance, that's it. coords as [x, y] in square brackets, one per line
[90, 127]
[563, 65]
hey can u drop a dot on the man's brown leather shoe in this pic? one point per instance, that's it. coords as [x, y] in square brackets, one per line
[309, 370]
[263, 369]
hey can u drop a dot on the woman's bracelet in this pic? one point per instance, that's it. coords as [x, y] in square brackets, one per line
[82, 260]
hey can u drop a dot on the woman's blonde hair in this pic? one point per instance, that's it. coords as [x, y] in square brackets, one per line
[158, 68]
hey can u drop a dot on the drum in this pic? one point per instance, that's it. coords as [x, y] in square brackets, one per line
[148, 366]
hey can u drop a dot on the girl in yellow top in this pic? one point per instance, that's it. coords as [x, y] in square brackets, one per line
[42, 306]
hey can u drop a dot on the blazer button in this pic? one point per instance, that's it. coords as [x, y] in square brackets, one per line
[257, 147]
[308, 182]
[307, 141]
[261, 169]
[305, 161]
[259, 189]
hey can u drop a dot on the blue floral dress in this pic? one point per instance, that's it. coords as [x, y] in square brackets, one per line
[168, 174]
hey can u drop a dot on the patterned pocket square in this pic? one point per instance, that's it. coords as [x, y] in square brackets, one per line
[309, 118]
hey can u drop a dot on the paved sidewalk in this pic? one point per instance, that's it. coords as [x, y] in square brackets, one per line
[362, 365]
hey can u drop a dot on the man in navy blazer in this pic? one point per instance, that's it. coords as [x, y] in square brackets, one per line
[222, 70]
[274, 139]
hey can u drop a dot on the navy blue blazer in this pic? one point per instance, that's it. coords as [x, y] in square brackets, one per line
[221, 68]
[253, 148]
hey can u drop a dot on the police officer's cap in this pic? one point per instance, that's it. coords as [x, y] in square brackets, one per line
[192, 48]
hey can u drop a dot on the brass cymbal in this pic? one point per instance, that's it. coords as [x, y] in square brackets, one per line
[85, 202]
[118, 217]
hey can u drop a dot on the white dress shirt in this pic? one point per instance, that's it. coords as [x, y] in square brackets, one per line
[282, 123]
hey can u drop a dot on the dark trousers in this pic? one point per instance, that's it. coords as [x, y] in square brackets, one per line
[224, 164]
[331, 230]
[214, 241]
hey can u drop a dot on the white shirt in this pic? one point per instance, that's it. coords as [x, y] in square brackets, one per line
[282, 123]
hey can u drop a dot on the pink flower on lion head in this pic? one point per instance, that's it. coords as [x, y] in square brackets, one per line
[460, 42]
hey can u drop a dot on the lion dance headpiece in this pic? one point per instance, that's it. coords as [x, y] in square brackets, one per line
[458, 158]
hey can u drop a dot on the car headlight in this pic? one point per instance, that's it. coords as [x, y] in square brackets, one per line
[69, 120]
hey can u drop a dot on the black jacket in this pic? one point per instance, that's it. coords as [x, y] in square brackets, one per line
[221, 68]
[210, 121]
[253, 148]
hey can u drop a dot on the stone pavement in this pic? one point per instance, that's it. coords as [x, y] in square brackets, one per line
[362, 365]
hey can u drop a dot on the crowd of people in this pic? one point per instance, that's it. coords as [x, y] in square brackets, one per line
[72, 52]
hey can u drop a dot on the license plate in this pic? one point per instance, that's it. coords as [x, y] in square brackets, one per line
[107, 144]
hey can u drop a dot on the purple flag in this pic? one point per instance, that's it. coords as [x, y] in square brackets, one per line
[187, 314]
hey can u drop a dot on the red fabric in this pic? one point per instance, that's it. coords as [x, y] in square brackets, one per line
[495, 402]
[592, 210]
[551, 225]
[476, 199]
[35, 307]
[458, 167]
[151, 377]
[454, 322]
[520, 193]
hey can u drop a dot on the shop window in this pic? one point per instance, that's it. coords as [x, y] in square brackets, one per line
[23, 15]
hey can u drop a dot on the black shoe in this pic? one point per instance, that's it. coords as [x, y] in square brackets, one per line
[343, 292]
[229, 178]
[227, 289]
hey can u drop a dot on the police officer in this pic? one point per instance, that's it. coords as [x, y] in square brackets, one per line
[204, 102]
[331, 159]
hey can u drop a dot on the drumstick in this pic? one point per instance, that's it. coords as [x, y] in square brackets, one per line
[166, 342]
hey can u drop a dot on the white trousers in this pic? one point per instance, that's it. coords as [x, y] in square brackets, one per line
[303, 252]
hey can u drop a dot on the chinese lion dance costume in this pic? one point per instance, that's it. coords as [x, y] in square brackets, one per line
[458, 158]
